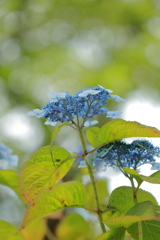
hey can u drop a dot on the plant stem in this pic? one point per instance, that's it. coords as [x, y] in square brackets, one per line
[99, 212]
[140, 234]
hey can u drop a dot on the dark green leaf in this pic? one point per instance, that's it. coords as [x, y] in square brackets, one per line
[150, 230]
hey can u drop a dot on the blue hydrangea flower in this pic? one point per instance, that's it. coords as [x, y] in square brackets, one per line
[6, 158]
[85, 104]
[131, 155]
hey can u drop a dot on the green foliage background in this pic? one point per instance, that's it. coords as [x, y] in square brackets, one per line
[65, 45]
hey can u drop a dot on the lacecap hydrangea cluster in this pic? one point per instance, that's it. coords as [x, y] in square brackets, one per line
[63, 107]
[7, 159]
[131, 155]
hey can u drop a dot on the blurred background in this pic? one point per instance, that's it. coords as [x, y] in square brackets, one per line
[66, 45]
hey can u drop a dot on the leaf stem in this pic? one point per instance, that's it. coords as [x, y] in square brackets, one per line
[99, 212]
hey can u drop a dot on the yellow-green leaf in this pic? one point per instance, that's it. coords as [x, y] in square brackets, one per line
[62, 195]
[118, 129]
[122, 198]
[35, 231]
[141, 212]
[42, 171]
[124, 221]
[9, 178]
[154, 178]
[9, 231]
[92, 136]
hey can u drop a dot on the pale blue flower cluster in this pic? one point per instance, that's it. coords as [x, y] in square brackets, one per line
[86, 104]
[131, 155]
[6, 158]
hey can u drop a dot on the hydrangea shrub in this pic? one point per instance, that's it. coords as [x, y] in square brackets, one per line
[131, 212]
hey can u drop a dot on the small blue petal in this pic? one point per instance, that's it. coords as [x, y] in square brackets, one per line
[113, 114]
[3, 165]
[85, 93]
[82, 164]
[108, 90]
[6, 158]
[13, 160]
[90, 123]
[54, 97]
[49, 122]
[37, 112]
[117, 98]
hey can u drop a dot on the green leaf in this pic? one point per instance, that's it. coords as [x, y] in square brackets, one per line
[122, 198]
[134, 174]
[92, 136]
[145, 209]
[140, 212]
[154, 178]
[124, 221]
[150, 230]
[36, 230]
[118, 129]
[157, 210]
[9, 231]
[9, 178]
[114, 234]
[62, 195]
[42, 171]
[56, 130]
[73, 227]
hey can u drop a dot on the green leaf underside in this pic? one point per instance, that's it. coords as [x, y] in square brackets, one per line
[134, 174]
[154, 178]
[158, 210]
[61, 196]
[9, 178]
[122, 198]
[140, 212]
[115, 234]
[150, 230]
[92, 136]
[145, 209]
[118, 129]
[56, 130]
[9, 231]
[124, 221]
[41, 171]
